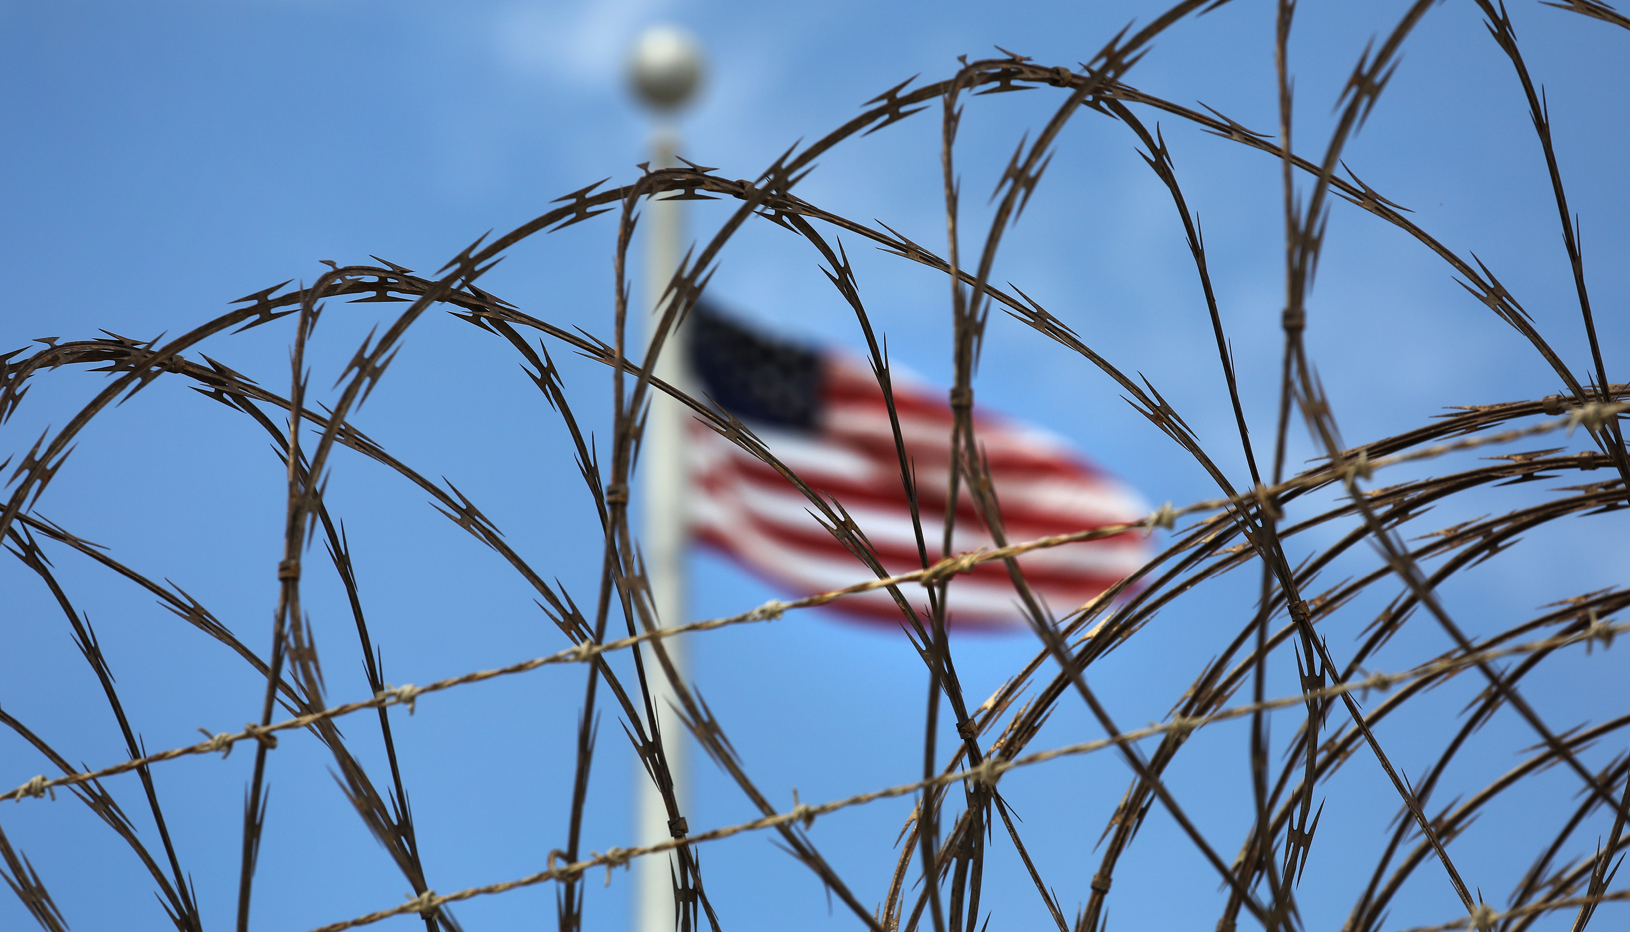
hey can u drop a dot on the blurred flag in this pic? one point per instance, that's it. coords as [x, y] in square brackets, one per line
[822, 414]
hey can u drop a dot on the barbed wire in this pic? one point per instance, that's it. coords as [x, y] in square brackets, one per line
[988, 772]
[1252, 514]
[585, 651]
[1485, 917]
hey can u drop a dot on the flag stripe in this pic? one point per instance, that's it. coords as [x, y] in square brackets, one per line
[1088, 576]
[783, 511]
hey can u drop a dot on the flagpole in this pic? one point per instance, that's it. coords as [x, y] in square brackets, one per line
[665, 69]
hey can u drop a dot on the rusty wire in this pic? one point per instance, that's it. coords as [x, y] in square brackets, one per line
[938, 875]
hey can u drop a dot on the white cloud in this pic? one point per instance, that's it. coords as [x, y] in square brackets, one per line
[583, 42]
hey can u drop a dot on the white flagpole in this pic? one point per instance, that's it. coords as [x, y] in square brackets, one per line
[665, 69]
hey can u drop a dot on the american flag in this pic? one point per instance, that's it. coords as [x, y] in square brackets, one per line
[822, 414]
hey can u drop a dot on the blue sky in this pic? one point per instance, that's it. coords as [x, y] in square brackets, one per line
[163, 159]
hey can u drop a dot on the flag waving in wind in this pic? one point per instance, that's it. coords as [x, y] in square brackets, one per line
[822, 414]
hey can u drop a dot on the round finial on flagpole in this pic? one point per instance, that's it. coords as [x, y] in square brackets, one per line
[666, 67]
